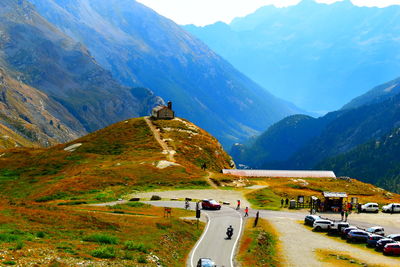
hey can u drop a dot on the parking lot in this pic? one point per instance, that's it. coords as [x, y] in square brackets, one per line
[377, 231]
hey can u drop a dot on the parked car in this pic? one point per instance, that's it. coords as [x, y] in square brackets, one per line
[210, 204]
[395, 237]
[345, 231]
[383, 242]
[370, 207]
[205, 262]
[377, 230]
[371, 242]
[309, 219]
[321, 224]
[336, 227]
[392, 249]
[357, 236]
[394, 206]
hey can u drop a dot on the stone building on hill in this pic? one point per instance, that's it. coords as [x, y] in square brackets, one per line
[163, 112]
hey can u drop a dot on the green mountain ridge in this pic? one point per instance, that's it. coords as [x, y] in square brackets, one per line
[377, 162]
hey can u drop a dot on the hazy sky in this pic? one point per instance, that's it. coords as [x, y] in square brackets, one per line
[203, 12]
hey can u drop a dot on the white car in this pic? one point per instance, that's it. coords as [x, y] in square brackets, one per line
[321, 224]
[377, 230]
[370, 207]
[394, 206]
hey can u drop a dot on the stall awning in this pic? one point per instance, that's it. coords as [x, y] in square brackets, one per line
[334, 194]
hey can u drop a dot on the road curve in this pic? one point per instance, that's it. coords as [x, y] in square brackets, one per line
[213, 243]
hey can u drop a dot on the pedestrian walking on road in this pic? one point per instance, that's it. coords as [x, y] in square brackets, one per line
[238, 204]
[359, 208]
[246, 212]
[392, 209]
[287, 201]
[342, 213]
[346, 214]
[282, 201]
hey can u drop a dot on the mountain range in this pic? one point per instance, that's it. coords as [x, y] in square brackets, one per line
[340, 140]
[53, 89]
[141, 48]
[316, 55]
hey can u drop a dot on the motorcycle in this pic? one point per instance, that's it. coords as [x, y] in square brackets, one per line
[187, 205]
[229, 232]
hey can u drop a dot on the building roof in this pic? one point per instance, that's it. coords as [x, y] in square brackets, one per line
[281, 173]
[334, 194]
[158, 108]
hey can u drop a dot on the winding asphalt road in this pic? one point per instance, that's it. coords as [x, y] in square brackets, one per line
[213, 243]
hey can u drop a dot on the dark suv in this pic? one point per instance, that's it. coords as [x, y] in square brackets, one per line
[210, 204]
[309, 219]
[357, 236]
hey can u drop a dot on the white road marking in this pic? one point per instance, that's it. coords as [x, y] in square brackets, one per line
[237, 238]
[201, 239]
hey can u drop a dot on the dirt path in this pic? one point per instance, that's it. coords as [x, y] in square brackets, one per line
[299, 245]
[170, 153]
[209, 181]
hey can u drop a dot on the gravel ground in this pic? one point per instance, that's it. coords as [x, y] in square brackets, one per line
[299, 245]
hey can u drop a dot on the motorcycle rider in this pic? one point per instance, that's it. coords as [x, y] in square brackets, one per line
[187, 205]
[229, 232]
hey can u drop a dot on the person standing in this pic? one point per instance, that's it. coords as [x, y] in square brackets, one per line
[392, 209]
[282, 201]
[346, 214]
[359, 208]
[342, 213]
[287, 201]
[238, 204]
[246, 212]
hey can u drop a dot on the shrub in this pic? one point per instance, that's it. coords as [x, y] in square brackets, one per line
[40, 234]
[105, 252]
[101, 239]
[142, 259]
[19, 245]
[131, 245]
[155, 197]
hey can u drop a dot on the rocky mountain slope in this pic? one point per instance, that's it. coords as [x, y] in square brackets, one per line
[80, 96]
[143, 48]
[316, 55]
[33, 116]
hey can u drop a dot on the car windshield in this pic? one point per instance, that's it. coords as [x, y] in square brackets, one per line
[207, 263]
[213, 202]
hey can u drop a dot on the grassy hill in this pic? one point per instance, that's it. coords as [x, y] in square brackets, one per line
[120, 158]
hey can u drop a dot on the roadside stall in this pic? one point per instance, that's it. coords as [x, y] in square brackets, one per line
[333, 201]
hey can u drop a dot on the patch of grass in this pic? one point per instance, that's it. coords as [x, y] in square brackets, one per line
[19, 245]
[9, 262]
[142, 259]
[40, 234]
[338, 258]
[8, 238]
[101, 238]
[59, 195]
[104, 252]
[264, 199]
[137, 205]
[259, 245]
[132, 245]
